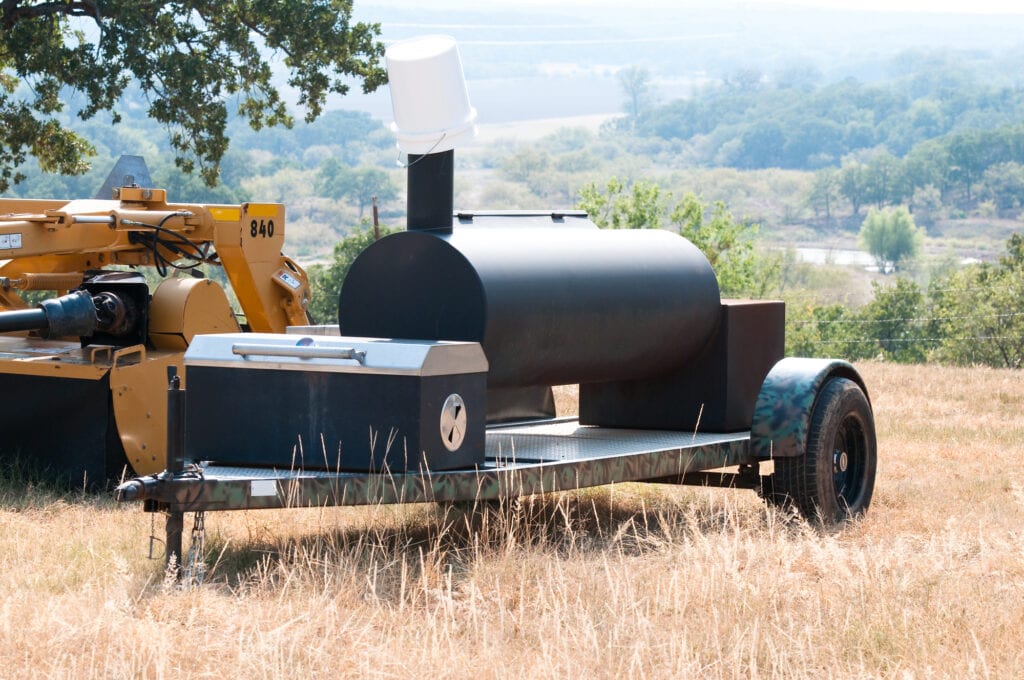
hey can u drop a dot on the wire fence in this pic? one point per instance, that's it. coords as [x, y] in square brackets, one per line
[913, 319]
[998, 340]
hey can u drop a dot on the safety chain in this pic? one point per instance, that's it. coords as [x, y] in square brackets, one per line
[195, 562]
[153, 540]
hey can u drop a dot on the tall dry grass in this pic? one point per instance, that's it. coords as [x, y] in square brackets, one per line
[625, 581]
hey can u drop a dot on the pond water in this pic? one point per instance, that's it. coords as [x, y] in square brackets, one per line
[841, 256]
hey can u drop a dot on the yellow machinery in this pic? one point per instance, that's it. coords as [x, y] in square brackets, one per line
[85, 374]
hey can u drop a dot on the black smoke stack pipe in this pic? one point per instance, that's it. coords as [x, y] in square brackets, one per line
[431, 201]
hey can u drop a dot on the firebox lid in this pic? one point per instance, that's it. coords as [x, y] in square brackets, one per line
[336, 354]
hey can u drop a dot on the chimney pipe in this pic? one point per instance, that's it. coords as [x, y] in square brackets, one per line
[431, 199]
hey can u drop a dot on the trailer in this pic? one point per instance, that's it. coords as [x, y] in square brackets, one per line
[435, 384]
[812, 421]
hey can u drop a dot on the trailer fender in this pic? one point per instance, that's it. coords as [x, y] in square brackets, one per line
[782, 415]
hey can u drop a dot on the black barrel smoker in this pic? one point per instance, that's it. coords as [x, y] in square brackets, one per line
[633, 316]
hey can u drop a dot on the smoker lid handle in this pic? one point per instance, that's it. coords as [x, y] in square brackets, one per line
[299, 352]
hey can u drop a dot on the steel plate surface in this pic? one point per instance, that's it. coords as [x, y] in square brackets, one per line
[521, 460]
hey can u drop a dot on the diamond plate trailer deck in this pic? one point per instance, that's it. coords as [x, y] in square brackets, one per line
[812, 419]
[521, 459]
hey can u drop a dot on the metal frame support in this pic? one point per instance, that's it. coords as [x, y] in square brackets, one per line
[175, 423]
[174, 528]
[175, 463]
[747, 477]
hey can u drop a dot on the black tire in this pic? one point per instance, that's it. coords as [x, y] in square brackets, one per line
[834, 479]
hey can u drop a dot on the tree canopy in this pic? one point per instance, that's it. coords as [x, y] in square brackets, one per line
[891, 237]
[978, 312]
[727, 243]
[636, 88]
[620, 205]
[191, 59]
[325, 280]
[359, 185]
[969, 316]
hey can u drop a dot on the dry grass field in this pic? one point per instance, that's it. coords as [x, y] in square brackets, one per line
[626, 581]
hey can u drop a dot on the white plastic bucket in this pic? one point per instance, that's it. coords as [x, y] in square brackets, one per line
[428, 95]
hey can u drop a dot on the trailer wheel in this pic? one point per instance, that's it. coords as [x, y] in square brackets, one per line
[834, 479]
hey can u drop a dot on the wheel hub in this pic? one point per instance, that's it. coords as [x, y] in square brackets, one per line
[841, 461]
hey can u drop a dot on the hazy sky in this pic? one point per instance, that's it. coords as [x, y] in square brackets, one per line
[954, 6]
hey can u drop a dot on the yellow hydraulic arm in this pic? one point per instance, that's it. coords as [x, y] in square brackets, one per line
[46, 238]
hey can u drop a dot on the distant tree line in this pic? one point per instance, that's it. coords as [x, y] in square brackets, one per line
[970, 170]
[940, 140]
[972, 315]
[750, 121]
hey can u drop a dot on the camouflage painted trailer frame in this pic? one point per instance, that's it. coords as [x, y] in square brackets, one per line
[531, 458]
[520, 460]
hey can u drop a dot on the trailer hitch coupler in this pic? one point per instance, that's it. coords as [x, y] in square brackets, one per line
[130, 491]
